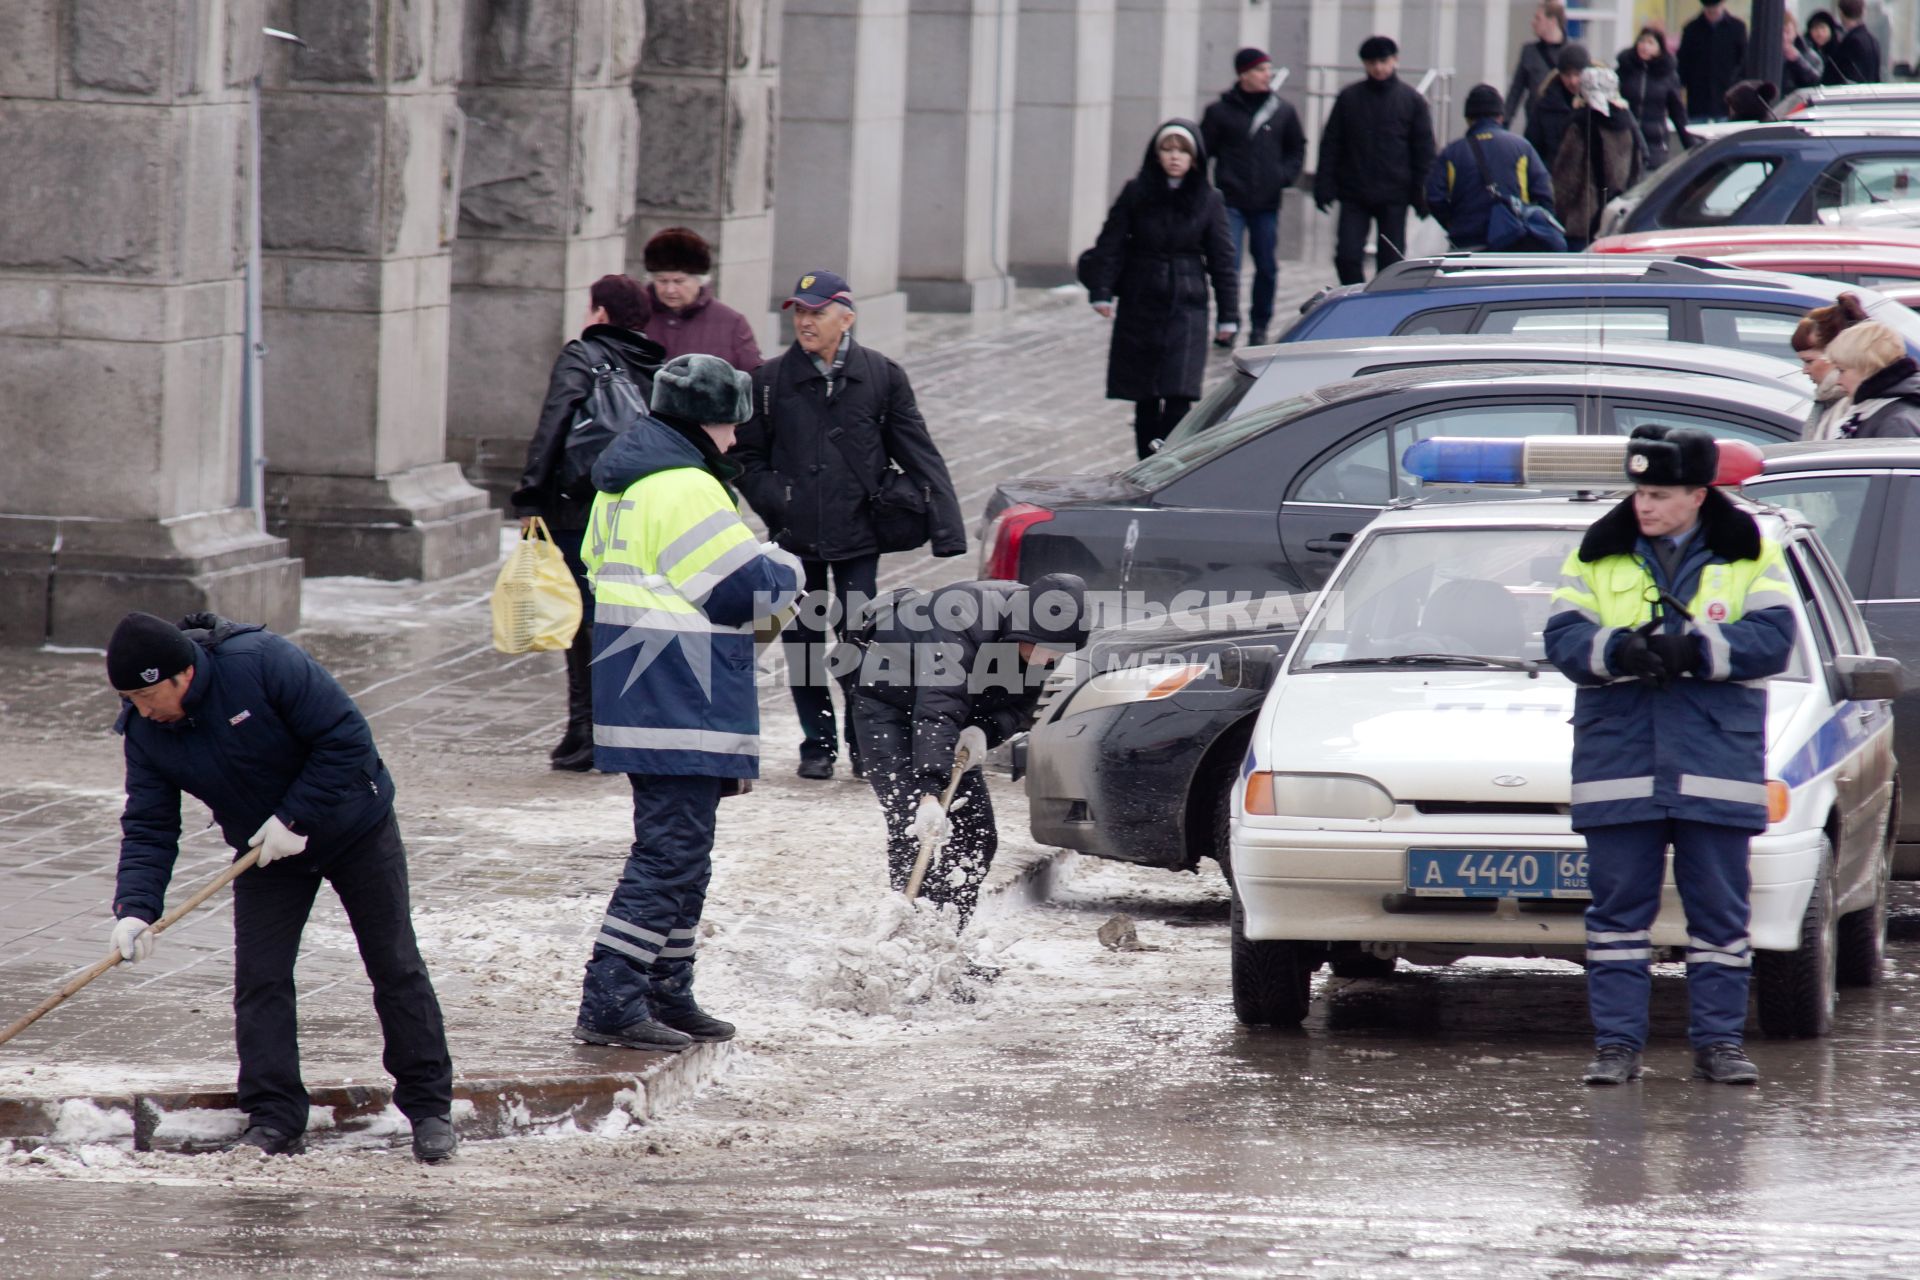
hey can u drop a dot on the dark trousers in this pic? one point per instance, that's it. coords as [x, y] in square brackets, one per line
[1154, 421]
[1626, 865]
[580, 652]
[807, 649]
[270, 908]
[648, 934]
[1389, 222]
[957, 870]
[1261, 229]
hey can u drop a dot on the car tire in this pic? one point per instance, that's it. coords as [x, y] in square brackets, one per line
[1861, 937]
[1798, 989]
[1272, 981]
[1361, 964]
[1228, 750]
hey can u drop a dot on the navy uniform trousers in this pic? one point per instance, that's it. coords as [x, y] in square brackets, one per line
[643, 958]
[1626, 866]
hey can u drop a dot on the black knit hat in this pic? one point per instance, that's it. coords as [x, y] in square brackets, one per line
[1056, 613]
[1374, 48]
[1483, 102]
[1685, 456]
[1573, 57]
[1247, 58]
[678, 249]
[145, 650]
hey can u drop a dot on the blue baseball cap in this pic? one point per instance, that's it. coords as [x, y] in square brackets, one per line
[818, 288]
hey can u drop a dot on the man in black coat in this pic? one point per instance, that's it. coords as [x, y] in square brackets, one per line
[1539, 62]
[1258, 150]
[966, 659]
[256, 730]
[1713, 57]
[830, 420]
[1374, 157]
[1856, 54]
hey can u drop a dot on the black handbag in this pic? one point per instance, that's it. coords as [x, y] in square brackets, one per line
[902, 511]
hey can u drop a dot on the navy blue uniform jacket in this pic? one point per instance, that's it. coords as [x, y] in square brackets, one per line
[267, 732]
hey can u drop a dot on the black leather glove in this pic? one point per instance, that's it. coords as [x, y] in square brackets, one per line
[1679, 654]
[1635, 657]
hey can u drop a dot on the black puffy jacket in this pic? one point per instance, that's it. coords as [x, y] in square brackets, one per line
[1377, 146]
[1652, 92]
[793, 454]
[268, 733]
[567, 387]
[1252, 169]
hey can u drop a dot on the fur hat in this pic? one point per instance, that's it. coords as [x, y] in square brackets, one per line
[145, 650]
[1375, 48]
[703, 389]
[1751, 100]
[1660, 455]
[678, 249]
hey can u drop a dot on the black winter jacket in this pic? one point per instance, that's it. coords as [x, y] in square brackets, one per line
[1854, 57]
[1251, 169]
[567, 387]
[268, 733]
[1898, 385]
[950, 676]
[1538, 65]
[1713, 56]
[1158, 250]
[1547, 125]
[800, 480]
[1652, 91]
[1377, 146]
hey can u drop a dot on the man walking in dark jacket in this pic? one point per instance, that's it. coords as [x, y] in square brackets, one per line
[1713, 57]
[1487, 156]
[1258, 150]
[249, 725]
[830, 420]
[1539, 61]
[1374, 157]
[1856, 54]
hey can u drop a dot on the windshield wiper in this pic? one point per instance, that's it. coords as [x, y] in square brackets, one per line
[1529, 665]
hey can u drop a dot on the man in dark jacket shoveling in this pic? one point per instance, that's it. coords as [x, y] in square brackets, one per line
[259, 732]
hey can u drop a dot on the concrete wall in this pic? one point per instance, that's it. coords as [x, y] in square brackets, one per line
[1062, 135]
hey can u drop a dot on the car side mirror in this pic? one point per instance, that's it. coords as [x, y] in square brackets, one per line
[1870, 679]
[1251, 667]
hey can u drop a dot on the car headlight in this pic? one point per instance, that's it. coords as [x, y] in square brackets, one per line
[1133, 684]
[1317, 795]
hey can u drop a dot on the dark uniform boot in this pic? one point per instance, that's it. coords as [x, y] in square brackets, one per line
[434, 1139]
[644, 1034]
[674, 1006]
[1724, 1064]
[271, 1141]
[1613, 1064]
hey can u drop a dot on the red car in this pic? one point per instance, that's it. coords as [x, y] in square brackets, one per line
[1887, 260]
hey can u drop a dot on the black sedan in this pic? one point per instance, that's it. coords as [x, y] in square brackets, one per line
[1267, 502]
[1864, 498]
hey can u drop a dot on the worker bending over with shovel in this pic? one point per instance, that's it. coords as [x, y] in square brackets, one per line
[960, 666]
[260, 733]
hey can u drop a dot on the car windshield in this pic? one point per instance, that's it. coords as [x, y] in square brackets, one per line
[1157, 469]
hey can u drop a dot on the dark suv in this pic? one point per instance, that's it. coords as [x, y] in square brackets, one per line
[1586, 298]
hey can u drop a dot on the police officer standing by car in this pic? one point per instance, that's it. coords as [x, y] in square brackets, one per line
[1669, 615]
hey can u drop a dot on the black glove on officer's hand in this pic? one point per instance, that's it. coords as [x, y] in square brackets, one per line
[1680, 654]
[1636, 657]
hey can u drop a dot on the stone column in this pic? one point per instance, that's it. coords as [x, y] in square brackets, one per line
[360, 165]
[121, 310]
[959, 154]
[842, 120]
[708, 95]
[1155, 57]
[1062, 136]
[546, 195]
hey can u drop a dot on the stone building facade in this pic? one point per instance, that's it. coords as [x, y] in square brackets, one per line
[439, 183]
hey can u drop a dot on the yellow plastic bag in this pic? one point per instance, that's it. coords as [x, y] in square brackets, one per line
[536, 606]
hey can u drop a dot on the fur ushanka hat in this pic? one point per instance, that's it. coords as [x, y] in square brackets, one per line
[703, 389]
[678, 249]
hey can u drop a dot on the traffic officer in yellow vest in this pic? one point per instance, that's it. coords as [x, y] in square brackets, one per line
[1670, 617]
[678, 582]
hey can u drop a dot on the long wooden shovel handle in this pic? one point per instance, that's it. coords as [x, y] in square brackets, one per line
[99, 967]
[961, 763]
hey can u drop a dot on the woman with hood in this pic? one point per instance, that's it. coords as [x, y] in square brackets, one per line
[1600, 156]
[1883, 379]
[1650, 86]
[1811, 338]
[1165, 238]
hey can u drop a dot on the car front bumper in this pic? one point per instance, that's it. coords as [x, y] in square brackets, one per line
[1113, 782]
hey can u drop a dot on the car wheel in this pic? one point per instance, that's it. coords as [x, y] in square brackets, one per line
[1272, 981]
[1862, 935]
[1360, 964]
[1223, 827]
[1797, 988]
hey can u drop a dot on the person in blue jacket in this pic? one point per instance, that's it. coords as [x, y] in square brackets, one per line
[1670, 616]
[1457, 184]
[260, 733]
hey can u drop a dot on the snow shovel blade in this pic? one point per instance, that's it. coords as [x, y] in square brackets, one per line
[962, 761]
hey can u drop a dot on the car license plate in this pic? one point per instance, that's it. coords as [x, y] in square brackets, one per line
[1496, 873]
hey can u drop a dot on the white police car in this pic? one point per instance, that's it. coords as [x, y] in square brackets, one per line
[1406, 790]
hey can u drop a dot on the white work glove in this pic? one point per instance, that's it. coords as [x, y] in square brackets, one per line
[275, 841]
[930, 821]
[133, 939]
[973, 743]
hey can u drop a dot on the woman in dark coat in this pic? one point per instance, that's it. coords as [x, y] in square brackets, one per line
[1650, 85]
[616, 311]
[1165, 238]
[1600, 156]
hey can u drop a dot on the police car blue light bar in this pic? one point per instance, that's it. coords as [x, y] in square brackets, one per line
[1551, 462]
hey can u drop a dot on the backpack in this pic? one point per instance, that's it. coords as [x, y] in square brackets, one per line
[610, 410]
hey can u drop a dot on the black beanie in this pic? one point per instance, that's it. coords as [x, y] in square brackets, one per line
[1375, 48]
[146, 650]
[1054, 613]
[1484, 102]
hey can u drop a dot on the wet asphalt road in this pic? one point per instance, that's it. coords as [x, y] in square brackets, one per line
[1423, 1126]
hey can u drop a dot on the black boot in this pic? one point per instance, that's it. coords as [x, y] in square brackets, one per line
[575, 751]
[674, 1006]
[644, 1034]
[434, 1139]
[270, 1141]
